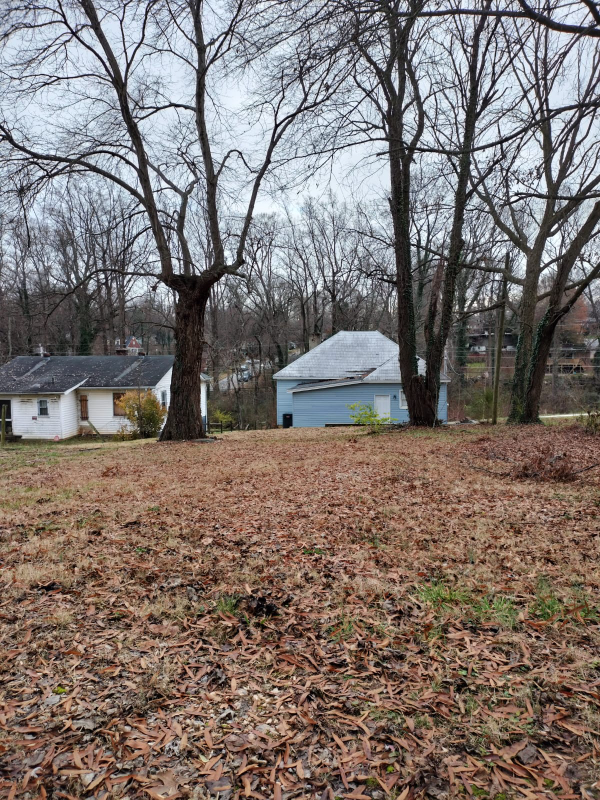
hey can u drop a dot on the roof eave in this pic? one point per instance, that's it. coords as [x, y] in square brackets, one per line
[325, 385]
[32, 393]
[120, 388]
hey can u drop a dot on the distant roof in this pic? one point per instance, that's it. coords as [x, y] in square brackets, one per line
[59, 374]
[366, 355]
[348, 354]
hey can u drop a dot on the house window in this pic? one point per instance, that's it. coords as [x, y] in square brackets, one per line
[163, 398]
[43, 408]
[118, 410]
[83, 405]
[402, 399]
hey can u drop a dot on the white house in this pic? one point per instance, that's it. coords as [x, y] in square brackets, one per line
[55, 397]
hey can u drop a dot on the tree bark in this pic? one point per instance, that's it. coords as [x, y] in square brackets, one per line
[184, 420]
[525, 342]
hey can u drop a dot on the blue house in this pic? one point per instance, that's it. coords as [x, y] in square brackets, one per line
[350, 367]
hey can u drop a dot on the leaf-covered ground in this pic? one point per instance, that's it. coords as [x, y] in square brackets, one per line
[318, 614]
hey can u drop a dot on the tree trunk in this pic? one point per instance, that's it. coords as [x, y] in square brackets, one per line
[421, 405]
[537, 368]
[184, 420]
[529, 373]
[304, 319]
[524, 345]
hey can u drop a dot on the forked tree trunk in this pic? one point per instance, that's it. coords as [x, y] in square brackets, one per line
[537, 369]
[423, 401]
[184, 420]
[533, 352]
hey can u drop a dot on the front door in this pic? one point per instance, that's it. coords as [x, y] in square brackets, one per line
[382, 405]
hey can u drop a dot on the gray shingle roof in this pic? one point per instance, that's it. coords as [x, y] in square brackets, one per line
[348, 354]
[58, 374]
[389, 371]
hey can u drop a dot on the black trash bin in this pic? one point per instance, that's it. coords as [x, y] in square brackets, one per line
[287, 420]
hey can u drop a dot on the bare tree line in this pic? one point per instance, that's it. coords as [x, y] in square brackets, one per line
[481, 121]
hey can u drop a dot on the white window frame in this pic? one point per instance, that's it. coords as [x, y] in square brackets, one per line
[163, 398]
[402, 404]
[45, 413]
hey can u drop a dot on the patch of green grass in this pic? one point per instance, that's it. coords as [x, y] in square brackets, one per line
[227, 604]
[500, 609]
[471, 704]
[547, 605]
[441, 595]
[313, 551]
[380, 714]
[422, 721]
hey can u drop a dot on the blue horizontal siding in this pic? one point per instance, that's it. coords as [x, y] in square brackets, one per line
[330, 406]
[320, 407]
[284, 399]
[443, 403]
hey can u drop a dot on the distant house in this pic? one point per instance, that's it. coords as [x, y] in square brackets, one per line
[350, 367]
[131, 348]
[56, 397]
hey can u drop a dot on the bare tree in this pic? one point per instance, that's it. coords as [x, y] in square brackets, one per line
[428, 92]
[541, 193]
[130, 93]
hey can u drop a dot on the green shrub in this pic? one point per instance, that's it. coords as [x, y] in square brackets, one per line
[144, 412]
[364, 414]
[220, 417]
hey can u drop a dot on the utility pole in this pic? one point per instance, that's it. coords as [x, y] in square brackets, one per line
[499, 342]
[3, 426]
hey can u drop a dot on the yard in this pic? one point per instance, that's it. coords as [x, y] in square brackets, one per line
[302, 613]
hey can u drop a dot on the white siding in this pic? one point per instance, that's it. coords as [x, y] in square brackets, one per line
[69, 414]
[164, 385]
[100, 411]
[25, 409]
